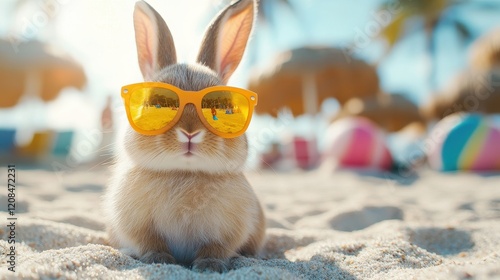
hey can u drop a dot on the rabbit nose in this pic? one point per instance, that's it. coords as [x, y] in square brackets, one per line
[194, 137]
[190, 121]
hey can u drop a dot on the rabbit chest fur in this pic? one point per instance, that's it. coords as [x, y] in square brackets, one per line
[182, 209]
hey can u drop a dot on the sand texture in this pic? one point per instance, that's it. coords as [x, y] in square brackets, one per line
[321, 225]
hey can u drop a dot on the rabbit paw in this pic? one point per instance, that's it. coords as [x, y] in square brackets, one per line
[210, 265]
[156, 257]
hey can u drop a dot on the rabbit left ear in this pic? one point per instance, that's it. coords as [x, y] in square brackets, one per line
[155, 46]
[226, 38]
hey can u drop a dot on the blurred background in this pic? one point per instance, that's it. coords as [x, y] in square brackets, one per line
[401, 64]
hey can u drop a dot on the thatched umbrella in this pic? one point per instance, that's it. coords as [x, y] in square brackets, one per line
[36, 67]
[390, 111]
[470, 91]
[302, 78]
[485, 51]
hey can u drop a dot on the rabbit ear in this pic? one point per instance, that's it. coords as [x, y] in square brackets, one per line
[155, 46]
[226, 38]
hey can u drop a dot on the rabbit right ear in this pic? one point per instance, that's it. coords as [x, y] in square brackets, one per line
[226, 38]
[155, 45]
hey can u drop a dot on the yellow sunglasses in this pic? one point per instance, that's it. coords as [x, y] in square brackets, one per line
[154, 108]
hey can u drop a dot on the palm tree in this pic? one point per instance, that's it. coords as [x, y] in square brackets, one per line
[435, 14]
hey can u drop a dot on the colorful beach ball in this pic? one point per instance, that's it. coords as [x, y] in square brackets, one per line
[358, 143]
[464, 142]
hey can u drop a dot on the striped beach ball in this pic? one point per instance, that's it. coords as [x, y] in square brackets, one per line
[358, 143]
[465, 142]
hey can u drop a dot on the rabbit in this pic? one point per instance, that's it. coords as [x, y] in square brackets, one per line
[165, 205]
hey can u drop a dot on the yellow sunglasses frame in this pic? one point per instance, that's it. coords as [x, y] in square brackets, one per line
[188, 97]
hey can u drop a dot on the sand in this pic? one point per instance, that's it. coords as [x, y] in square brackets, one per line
[321, 225]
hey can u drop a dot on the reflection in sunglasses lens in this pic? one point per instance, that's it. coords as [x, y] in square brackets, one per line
[225, 111]
[153, 108]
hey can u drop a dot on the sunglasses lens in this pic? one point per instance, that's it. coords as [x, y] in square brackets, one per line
[226, 111]
[153, 108]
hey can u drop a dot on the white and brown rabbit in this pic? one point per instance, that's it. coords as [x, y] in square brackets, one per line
[164, 206]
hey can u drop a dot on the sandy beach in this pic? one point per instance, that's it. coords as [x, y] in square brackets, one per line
[321, 225]
[408, 86]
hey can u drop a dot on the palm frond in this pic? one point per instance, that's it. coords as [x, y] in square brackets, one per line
[464, 30]
[394, 31]
[429, 10]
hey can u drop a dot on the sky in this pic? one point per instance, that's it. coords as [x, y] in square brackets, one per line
[100, 35]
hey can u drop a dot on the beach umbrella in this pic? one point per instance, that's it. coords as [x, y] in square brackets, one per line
[390, 111]
[36, 68]
[470, 91]
[485, 51]
[302, 78]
